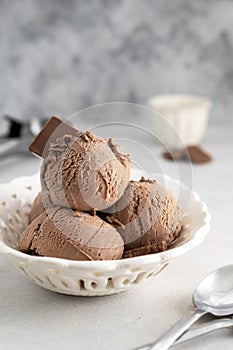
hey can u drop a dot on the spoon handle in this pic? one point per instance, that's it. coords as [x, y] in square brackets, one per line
[193, 333]
[207, 328]
[8, 147]
[164, 342]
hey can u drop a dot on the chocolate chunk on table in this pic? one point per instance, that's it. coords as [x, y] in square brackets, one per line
[196, 154]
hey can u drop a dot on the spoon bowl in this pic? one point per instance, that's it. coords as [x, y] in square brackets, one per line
[214, 293]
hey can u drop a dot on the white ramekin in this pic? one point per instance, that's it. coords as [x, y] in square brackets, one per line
[187, 114]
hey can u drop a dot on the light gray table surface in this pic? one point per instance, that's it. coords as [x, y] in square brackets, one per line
[34, 318]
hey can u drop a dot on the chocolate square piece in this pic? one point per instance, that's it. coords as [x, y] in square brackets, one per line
[53, 129]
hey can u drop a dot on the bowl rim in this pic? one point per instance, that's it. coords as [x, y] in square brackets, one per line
[112, 265]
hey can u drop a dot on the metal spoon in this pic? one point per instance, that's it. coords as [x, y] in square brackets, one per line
[214, 294]
[20, 135]
[193, 333]
[204, 329]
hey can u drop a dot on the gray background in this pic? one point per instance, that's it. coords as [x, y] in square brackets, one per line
[58, 57]
[61, 56]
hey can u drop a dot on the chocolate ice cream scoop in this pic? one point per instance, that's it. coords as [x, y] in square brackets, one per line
[36, 209]
[146, 216]
[84, 172]
[80, 171]
[73, 235]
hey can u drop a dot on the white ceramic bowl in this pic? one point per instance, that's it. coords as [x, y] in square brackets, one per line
[90, 278]
[187, 114]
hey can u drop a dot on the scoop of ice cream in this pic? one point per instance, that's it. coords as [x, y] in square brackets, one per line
[146, 216]
[73, 235]
[84, 172]
[36, 209]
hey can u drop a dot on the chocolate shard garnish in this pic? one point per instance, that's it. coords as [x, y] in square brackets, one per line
[53, 129]
[197, 155]
[193, 153]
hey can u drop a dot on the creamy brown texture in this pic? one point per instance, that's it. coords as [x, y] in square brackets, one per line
[71, 235]
[36, 209]
[146, 216]
[84, 172]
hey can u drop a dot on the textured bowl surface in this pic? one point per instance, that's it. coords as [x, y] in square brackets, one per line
[91, 278]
